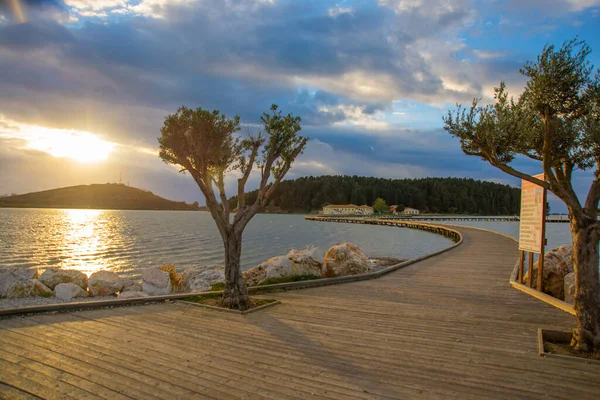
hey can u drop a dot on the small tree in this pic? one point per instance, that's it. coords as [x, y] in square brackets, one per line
[556, 121]
[203, 143]
[380, 206]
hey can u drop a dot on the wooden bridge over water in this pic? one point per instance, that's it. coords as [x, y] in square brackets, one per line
[447, 327]
[442, 219]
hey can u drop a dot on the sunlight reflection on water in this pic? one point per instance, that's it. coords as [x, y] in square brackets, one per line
[129, 241]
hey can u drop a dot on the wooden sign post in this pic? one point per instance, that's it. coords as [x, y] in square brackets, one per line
[532, 228]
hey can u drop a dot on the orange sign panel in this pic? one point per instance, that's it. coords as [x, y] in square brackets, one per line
[531, 226]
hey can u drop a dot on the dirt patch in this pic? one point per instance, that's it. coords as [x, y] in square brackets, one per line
[215, 301]
[565, 349]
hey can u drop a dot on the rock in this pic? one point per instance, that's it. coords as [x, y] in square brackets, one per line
[345, 259]
[132, 295]
[156, 282]
[132, 286]
[42, 289]
[53, 276]
[105, 283]
[199, 279]
[30, 288]
[10, 276]
[558, 262]
[569, 287]
[69, 291]
[295, 263]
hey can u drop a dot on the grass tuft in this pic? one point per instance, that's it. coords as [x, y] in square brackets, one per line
[175, 278]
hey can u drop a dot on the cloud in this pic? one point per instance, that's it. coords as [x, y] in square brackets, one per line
[362, 75]
[355, 116]
[339, 10]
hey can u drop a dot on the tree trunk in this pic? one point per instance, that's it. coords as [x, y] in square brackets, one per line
[586, 337]
[235, 295]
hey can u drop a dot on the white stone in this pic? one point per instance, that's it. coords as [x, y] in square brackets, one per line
[295, 263]
[345, 259]
[42, 289]
[569, 287]
[10, 276]
[199, 279]
[53, 276]
[132, 287]
[69, 291]
[132, 295]
[105, 283]
[156, 282]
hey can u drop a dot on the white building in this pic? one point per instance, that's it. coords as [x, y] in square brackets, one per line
[364, 210]
[410, 211]
[347, 209]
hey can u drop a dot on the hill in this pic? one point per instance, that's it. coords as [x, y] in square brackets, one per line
[434, 195]
[110, 196]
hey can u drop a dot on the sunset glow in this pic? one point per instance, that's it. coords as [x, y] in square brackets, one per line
[80, 146]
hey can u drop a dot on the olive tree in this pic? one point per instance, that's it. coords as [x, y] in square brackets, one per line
[555, 122]
[204, 144]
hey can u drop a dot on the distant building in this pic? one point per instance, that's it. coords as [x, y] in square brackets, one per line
[410, 211]
[364, 210]
[347, 209]
[393, 209]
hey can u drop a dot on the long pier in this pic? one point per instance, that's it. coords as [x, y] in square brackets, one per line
[442, 219]
[447, 327]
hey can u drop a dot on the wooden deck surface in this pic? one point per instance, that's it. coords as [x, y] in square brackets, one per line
[447, 327]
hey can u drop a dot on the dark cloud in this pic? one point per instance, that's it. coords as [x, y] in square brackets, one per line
[119, 76]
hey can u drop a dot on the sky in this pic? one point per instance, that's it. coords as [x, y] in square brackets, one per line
[86, 84]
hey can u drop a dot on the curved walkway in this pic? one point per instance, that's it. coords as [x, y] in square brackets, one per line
[447, 327]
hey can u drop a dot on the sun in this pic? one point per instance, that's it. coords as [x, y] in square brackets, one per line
[84, 147]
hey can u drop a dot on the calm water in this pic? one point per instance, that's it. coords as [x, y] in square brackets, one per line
[129, 241]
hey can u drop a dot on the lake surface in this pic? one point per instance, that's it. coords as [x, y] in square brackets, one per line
[129, 241]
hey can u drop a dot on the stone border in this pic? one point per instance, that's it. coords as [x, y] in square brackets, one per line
[76, 306]
[563, 337]
[215, 308]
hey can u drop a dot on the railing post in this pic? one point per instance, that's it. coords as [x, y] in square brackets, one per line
[530, 270]
[521, 265]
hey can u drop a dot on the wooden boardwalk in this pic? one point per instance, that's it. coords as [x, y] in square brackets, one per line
[447, 327]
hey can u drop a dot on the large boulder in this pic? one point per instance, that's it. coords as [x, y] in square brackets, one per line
[54, 276]
[132, 295]
[105, 283]
[156, 282]
[11, 276]
[558, 262]
[295, 263]
[199, 279]
[30, 288]
[569, 287]
[129, 285]
[345, 259]
[69, 291]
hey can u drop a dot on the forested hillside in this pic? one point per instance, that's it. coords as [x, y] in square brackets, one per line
[436, 195]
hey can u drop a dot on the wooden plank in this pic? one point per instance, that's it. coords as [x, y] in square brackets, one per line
[447, 326]
[8, 392]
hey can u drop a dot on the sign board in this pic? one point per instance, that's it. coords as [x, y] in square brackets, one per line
[531, 226]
